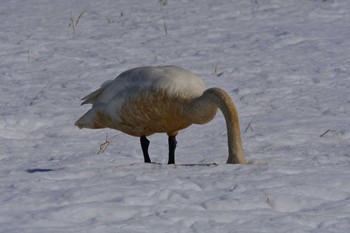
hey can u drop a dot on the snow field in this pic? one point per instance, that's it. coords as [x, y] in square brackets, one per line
[285, 64]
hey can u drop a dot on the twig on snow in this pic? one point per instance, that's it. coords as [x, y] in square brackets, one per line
[163, 3]
[216, 72]
[74, 22]
[329, 130]
[250, 124]
[29, 48]
[103, 146]
[37, 95]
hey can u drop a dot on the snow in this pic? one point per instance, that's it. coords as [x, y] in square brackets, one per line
[286, 65]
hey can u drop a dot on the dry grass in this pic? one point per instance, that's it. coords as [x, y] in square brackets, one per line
[330, 131]
[250, 124]
[216, 71]
[110, 19]
[29, 51]
[74, 22]
[165, 27]
[163, 3]
[37, 95]
[268, 201]
[103, 146]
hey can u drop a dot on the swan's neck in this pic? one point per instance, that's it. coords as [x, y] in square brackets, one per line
[204, 109]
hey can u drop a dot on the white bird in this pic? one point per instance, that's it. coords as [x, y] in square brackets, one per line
[164, 99]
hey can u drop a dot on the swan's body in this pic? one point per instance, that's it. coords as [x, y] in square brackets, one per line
[165, 99]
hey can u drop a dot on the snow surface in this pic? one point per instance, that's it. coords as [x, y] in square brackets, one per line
[285, 63]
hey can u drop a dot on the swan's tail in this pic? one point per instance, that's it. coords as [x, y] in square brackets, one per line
[85, 121]
[95, 118]
[92, 98]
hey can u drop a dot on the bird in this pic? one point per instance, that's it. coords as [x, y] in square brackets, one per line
[161, 99]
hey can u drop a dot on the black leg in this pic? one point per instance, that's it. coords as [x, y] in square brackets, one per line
[172, 146]
[144, 145]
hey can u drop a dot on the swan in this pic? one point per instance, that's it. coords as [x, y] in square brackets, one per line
[163, 99]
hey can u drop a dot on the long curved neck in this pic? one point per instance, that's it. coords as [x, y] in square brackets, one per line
[220, 99]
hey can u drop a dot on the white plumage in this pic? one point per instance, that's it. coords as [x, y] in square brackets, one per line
[164, 99]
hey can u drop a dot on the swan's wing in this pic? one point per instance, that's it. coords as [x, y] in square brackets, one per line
[174, 81]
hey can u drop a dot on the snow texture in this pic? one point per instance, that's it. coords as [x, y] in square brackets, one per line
[286, 65]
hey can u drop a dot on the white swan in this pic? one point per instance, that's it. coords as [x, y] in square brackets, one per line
[165, 99]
